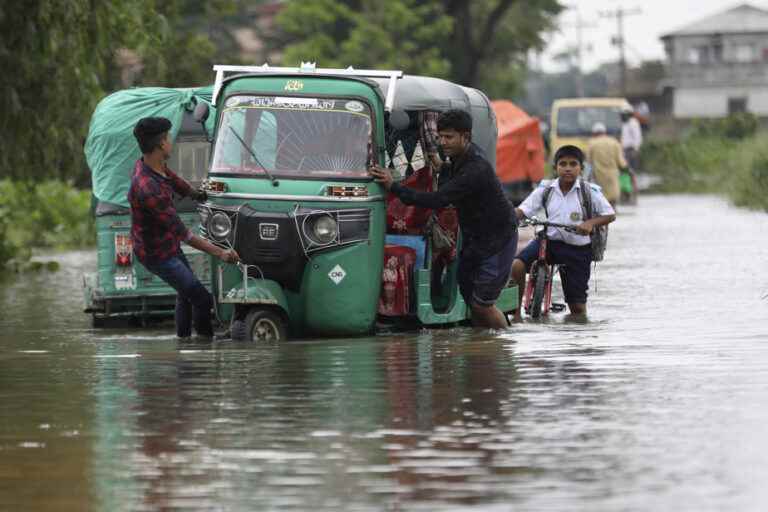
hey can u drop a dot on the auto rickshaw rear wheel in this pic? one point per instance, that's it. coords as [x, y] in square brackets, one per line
[264, 326]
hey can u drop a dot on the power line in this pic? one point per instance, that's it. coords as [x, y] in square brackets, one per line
[620, 13]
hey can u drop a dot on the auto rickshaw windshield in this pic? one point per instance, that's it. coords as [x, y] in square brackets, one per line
[293, 137]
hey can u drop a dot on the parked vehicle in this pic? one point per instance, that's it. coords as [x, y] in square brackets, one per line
[121, 287]
[573, 118]
[289, 189]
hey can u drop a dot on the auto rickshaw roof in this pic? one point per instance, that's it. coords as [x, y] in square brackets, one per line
[417, 93]
[426, 93]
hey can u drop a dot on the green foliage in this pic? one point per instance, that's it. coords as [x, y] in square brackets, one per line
[369, 34]
[491, 39]
[482, 43]
[57, 57]
[192, 36]
[8, 250]
[50, 214]
[713, 164]
[736, 126]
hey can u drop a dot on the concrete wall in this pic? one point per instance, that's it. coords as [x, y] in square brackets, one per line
[713, 101]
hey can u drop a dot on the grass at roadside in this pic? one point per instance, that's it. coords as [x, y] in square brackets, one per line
[713, 163]
[44, 215]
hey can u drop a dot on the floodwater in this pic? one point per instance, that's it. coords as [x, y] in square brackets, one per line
[658, 402]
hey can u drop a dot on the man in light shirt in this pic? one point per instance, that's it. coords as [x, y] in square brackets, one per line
[570, 250]
[631, 137]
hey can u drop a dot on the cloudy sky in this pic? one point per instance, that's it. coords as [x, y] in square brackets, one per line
[642, 30]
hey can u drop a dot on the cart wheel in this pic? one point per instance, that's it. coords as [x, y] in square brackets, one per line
[97, 322]
[264, 325]
[238, 331]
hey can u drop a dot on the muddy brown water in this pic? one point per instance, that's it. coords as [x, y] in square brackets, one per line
[657, 402]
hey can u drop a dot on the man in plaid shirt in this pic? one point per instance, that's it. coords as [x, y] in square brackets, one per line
[157, 231]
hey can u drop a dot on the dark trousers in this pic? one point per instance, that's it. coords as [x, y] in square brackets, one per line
[193, 301]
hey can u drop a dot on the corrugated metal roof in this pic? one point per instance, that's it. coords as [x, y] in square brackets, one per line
[740, 19]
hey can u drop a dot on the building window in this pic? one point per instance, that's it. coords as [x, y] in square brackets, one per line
[745, 53]
[701, 55]
[736, 105]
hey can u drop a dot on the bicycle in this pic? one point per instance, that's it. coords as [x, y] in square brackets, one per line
[537, 299]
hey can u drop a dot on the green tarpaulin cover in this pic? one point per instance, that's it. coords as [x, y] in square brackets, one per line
[111, 149]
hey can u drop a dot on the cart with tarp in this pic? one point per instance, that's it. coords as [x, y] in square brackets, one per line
[121, 287]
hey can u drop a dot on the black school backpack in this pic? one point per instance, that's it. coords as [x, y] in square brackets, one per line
[599, 235]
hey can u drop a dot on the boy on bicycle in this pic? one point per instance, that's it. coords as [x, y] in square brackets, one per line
[564, 205]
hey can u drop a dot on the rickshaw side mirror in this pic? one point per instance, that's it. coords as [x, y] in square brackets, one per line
[399, 119]
[201, 112]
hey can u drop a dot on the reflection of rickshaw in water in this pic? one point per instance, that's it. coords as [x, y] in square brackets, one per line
[289, 189]
[121, 287]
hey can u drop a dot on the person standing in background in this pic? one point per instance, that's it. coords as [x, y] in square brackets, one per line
[605, 155]
[631, 138]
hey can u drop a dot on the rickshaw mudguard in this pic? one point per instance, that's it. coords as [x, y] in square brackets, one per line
[257, 291]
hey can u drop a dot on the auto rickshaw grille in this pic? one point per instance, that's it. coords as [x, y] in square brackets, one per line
[269, 240]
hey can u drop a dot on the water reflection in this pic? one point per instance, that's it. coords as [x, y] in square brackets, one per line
[655, 403]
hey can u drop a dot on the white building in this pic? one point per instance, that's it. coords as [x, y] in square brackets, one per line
[719, 65]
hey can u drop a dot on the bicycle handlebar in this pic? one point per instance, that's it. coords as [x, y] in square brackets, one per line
[533, 221]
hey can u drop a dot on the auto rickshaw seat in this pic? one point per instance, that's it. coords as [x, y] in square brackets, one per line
[403, 219]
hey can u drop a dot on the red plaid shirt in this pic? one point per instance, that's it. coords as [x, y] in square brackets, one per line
[156, 229]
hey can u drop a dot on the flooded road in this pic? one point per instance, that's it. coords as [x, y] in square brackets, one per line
[658, 402]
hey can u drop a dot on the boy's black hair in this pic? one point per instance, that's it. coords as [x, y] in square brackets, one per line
[569, 150]
[150, 132]
[455, 119]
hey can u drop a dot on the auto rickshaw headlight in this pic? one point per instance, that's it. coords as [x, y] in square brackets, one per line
[219, 226]
[325, 229]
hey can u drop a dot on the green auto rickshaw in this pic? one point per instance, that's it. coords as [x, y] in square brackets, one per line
[121, 287]
[288, 189]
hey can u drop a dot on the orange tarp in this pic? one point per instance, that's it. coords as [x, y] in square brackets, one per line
[520, 148]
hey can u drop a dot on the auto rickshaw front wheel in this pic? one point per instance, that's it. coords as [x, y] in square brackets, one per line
[263, 326]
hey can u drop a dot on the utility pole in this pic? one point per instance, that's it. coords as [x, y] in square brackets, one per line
[580, 25]
[619, 13]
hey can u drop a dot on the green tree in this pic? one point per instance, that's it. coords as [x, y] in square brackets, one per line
[57, 58]
[397, 34]
[194, 34]
[481, 43]
[491, 39]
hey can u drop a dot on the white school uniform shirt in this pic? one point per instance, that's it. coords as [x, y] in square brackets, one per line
[566, 209]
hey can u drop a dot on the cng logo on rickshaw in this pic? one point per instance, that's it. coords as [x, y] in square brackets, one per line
[337, 274]
[268, 231]
[294, 85]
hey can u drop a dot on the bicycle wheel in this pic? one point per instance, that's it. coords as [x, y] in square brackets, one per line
[538, 291]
